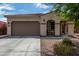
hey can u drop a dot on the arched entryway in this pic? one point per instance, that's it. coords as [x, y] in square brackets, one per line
[50, 28]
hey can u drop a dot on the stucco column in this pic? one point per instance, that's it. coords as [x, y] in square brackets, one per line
[9, 29]
[57, 29]
[70, 28]
[43, 29]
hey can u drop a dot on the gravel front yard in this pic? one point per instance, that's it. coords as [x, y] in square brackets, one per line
[48, 43]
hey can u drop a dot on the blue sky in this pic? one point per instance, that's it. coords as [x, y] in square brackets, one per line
[22, 8]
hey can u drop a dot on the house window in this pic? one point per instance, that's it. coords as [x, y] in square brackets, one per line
[43, 20]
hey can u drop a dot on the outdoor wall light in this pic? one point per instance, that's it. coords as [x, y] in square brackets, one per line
[8, 22]
[43, 20]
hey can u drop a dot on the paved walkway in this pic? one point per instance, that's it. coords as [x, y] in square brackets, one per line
[20, 47]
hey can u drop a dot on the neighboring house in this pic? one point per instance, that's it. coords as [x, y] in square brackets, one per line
[38, 25]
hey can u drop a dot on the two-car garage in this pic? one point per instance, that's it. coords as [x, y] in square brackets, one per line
[25, 28]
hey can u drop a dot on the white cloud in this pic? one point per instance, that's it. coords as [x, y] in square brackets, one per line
[40, 5]
[46, 11]
[6, 7]
[2, 12]
[3, 19]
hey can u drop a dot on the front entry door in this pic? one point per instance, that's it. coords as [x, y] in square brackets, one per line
[50, 28]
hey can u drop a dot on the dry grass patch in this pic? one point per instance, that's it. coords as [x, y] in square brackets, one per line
[47, 46]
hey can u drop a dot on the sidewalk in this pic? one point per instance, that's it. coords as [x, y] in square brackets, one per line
[76, 36]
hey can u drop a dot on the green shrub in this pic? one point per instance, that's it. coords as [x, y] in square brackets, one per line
[63, 49]
[67, 41]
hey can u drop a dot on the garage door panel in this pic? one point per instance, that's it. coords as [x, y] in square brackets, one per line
[25, 28]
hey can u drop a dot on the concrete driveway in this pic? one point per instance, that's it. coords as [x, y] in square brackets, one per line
[20, 47]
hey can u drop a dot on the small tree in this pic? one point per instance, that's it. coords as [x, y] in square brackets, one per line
[68, 11]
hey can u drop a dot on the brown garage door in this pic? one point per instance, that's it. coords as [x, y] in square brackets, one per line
[23, 28]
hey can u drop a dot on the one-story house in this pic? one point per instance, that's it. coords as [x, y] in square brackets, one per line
[38, 25]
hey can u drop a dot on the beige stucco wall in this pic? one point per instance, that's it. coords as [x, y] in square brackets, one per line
[50, 17]
[47, 17]
[11, 19]
[23, 19]
[57, 29]
[43, 29]
[70, 28]
[9, 28]
[43, 23]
